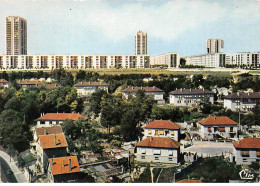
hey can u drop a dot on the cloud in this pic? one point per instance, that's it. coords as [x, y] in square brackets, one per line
[166, 21]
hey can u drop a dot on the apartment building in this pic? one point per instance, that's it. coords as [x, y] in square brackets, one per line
[171, 60]
[244, 59]
[214, 45]
[50, 62]
[214, 60]
[16, 35]
[141, 43]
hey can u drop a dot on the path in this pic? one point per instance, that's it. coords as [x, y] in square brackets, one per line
[20, 177]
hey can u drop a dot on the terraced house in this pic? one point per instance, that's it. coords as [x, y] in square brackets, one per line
[190, 97]
[241, 101]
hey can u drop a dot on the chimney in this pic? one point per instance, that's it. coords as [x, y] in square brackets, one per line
[181, 89]
[215, 118]
[52, 161]
[55, 140]
[81, 82]
[69, 164]
[45, 132]
[151, 138]
[238, 93]
[63, 163]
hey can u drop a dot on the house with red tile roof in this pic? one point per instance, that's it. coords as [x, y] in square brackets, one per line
[30, 83]
[218, 126]
[51, 119]
[162, 128]
[63, 169]
[246, 151]
[158, 149]
[4, 83]
[87, 88]
[190, 97]
[155, 92]
[49, 146]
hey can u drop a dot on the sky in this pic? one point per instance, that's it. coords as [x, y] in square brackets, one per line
[108, 26]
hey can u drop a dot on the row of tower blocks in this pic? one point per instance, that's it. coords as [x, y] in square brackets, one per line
[17, 58]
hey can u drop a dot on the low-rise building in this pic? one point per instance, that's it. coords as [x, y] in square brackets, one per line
[158, 149]
[246, 151]
[241, 101]
[218, 126]
[87, 88]
[51, 119]
[190, 97]
[45, 131]
[155, 92]
[30, 83]
[49, 146]
[162, 128]
[4, 83]
[52, 86]
[63, 169]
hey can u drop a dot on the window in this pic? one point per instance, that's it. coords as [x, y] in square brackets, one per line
[156, 158]
[149, 131]
[170, 159]
[170, 152]
[245, 153]
[172, 133]
[258, 153]
[161, 132]
[142, 157]
[221, 129]
[231, 129]
[42, 122]
[143, 151]
[244, 160]
[209, 129]
[156, 152]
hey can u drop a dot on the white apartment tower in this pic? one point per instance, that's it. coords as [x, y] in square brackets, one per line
[141, 43]
[215, 45]
[16, 35]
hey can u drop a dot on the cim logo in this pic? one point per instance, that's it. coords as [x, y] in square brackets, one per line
[245, 175]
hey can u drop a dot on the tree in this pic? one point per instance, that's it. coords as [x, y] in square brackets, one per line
[205, 105]
[256, 112]
[95, 101]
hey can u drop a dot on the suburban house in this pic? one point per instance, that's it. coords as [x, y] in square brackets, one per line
[87, 88]
[4, 83]
[63, 169]
[30, 83]
[162, 128]
[190, 97]
[158, 149]
[247, 150]
[51, 119]
[155, 92]
[218, 126]
[49, 146]
[241, 101]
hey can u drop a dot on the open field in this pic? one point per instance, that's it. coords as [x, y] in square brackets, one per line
[153, 71]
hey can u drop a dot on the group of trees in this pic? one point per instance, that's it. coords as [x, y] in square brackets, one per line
[20, 108]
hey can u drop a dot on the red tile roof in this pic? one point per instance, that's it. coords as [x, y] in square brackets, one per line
[159, 142]
[61, 116]
[61, 165]
[3, 81]
[146, 89]
[53, 141]
[247, 143]
[48, 130]
[188, 181]
[87, 84]
[162, 124]
[52, 86]
[220, 120]
[30, 82]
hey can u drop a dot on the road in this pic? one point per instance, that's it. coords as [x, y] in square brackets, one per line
[6, 164]
[205, 148]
